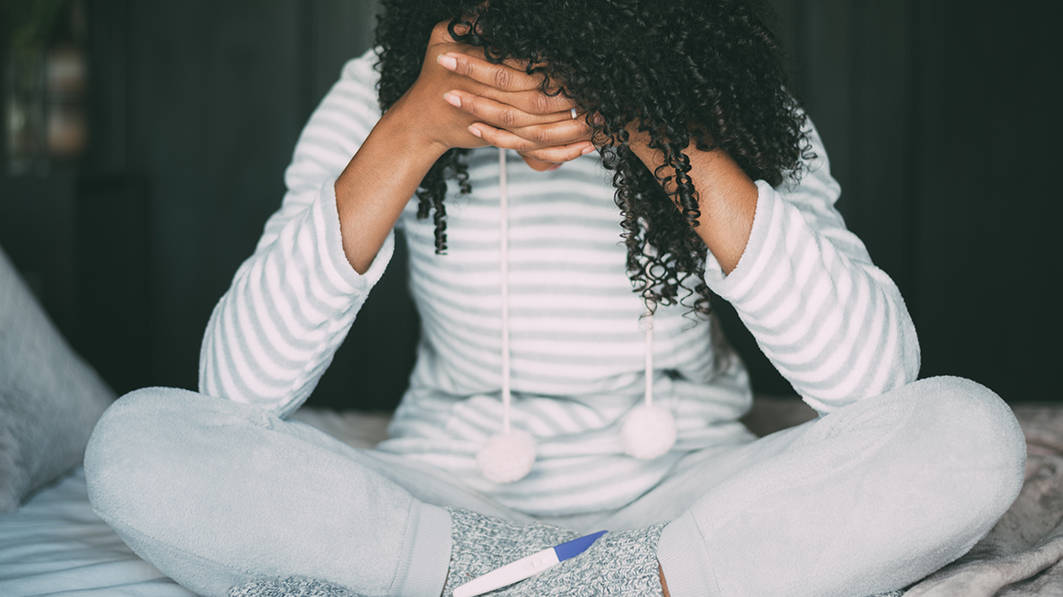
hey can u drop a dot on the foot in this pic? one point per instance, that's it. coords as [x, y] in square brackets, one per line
[620, 563]
[291, 586]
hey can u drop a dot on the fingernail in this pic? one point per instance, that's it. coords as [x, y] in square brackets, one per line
[448, 62]
[452, 99]
[587, 150]
[554, 167]
[475, 131]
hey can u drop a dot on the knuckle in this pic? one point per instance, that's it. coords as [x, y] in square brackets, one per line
[540, 103]
[502, 78]
[541, 137]
[508, 118]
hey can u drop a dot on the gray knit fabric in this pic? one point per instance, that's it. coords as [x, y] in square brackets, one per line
[622, 563]
[480, 543]
[301, 586]
[291, 586]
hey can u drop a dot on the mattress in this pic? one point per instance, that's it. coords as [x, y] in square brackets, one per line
[55, 545]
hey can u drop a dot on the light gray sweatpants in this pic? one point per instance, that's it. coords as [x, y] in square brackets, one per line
[869, 498]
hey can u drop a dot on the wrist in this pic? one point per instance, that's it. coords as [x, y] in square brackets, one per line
[410, 123]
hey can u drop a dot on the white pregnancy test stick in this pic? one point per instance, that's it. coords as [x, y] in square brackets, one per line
[526, 567]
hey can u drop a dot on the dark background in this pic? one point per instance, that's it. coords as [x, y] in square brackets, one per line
[935, 115]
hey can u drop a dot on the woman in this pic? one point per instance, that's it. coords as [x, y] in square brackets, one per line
[565, 382]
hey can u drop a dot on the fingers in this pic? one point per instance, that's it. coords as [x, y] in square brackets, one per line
[559, 154]
[553, 151]
[505, 76]
[533, 102]
[505, 84]
[510, 117]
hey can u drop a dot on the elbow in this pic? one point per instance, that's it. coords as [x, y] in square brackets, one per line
[910, 356]
[228, 370]
[900, 354]
[891, 358]
[895, 348]
[208, 378]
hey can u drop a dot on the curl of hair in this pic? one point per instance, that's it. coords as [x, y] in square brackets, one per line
[685, 71]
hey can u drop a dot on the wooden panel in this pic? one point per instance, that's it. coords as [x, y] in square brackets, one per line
[934, 115]
[333, 32]
[219, 102]
[817, 37]
[37, 230]
[169, 45]
[988, 214]
[825, 80]
[785, 21]
[108, 36]
[114, 323]
[214, 113]
[878, 204]
[371, 369]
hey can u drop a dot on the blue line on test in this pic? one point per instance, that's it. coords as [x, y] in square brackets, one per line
[573, 548]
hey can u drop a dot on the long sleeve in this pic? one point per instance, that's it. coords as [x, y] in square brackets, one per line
[275, 331]
[832, 323]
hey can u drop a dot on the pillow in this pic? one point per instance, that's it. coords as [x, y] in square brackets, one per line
[49, 398]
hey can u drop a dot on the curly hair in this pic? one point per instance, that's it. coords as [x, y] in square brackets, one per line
[685, 70]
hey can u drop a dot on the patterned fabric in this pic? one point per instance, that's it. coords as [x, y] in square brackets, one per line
[291, 586]
[619, 563]
[831, 322]
[622, 563]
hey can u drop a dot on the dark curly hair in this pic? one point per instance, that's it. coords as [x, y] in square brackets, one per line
[686, 70]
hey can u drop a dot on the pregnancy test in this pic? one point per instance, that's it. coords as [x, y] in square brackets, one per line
[526, 567]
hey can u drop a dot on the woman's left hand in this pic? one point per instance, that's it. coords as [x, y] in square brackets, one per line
[546, 141]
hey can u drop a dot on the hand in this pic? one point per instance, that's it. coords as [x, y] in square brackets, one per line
[512, 112]
[445, 126]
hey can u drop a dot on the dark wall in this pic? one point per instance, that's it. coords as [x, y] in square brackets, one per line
[943, 137]
[932, 114]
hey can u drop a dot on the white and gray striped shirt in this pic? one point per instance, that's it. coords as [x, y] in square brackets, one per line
[833, 324]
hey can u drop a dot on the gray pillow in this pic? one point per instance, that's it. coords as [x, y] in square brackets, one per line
[50, 398]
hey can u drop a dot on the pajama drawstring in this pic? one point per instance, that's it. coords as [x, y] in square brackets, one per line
[648, 430]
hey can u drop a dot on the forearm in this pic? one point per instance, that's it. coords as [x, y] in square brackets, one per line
[834, 325]
[726, 197]
[378, 182]
[291, 303]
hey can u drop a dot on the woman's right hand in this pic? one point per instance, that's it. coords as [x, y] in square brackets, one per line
[446, 125]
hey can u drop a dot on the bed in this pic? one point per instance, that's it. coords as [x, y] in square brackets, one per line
[55, 545]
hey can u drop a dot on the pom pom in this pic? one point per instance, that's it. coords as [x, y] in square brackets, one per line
[648, 431]
[507, 457]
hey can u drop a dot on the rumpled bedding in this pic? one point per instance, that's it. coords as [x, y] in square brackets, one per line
[55, 545]
[1021, 555]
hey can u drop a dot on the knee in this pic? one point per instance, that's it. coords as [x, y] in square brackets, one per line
[142, 437]
[124, 438]
[974, 434]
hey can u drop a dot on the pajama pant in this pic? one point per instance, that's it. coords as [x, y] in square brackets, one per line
[868, 498]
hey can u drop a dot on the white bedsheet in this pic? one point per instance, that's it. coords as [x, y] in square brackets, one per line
[55, 545]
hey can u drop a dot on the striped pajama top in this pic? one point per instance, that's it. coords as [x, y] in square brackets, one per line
[830, 321]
